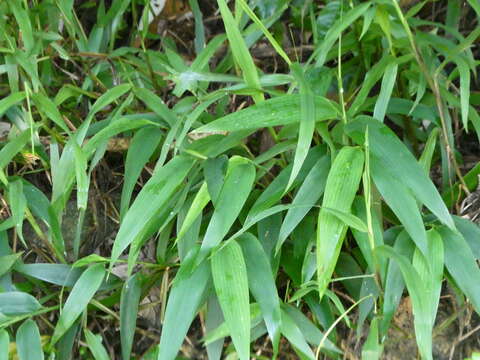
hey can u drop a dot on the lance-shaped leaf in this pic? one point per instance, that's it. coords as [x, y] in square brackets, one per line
[187, 294]
[307, 121]
[342, 185]
[83, 291]
[231, 285]
[262, 285]
[235, 190]
[282, 110]
[29, 345]
[394, 157]
[154, 195]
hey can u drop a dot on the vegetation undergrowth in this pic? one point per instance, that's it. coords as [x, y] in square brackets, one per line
[265, 177]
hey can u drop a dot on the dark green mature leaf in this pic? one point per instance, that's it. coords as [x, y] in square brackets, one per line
[399, 198]
[306, 197]
[231, 285]
[142, 146]
[29, 346]
[58, 274]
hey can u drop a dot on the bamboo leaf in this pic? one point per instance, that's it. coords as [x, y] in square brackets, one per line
[262, 285]
[282, 110]
[231, 285]
[393, 157]
[29, 346]
[187, 294]
[82, 292]
[94, 343]
[129, 300]
[342, 184]
[236, 188]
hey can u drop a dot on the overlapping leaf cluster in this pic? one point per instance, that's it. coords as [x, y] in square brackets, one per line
[248, 241]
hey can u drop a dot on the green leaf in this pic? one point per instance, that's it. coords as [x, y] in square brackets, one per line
[262, 285]
[342, 184]
[94, 343]
[308, 194]
[388, 81]
[349, 219]
[239, 49]
[335, 32]
[29, 345]
[10, 100]
[58, 274]
[422, 314]
[129, 300]
[7, 261]
[81, 294]
[400, 199]
[48, 107]
[393, 157]
[187, 294]
[461, 264]
[149, 202]
[156, 104]
[18, 303]
[281, 110]
[4, 344]
[231, 285]
[214, 172]
[307, 122]
[13, 147]
[142, 146]
[235, 190]
[293, 334]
